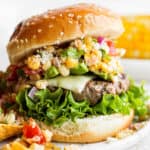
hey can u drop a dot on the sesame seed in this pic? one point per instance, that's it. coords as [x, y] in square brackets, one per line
[60, 15]
[39, 30]
[70, 15]
[79, 17]
[51, 26]
[57, 41]
[18, 46]
[70, 21]
[61, 33]
[21, 41]
[26, 40]
[16, 41]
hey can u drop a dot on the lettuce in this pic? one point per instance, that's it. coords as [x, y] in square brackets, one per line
[59, 106]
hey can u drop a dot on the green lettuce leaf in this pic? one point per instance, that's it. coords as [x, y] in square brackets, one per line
[58, 106]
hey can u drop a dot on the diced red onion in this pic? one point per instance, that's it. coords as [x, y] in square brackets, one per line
[100, 39]
[32, 92]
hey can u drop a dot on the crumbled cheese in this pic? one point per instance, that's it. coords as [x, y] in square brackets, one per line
[41, 84]
[48, 135]
[105, 47]
[120, 51]
[46, 56]
[97, 46]
[10, 118]
[36, 138]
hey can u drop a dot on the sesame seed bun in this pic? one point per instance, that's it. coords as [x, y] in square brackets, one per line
[61, 25]
[89, 130]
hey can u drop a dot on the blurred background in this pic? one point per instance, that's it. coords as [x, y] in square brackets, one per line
[135, 15]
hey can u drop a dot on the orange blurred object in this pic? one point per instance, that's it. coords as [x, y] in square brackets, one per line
[136, 38]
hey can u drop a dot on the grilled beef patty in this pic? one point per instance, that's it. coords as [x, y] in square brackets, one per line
[95, 89]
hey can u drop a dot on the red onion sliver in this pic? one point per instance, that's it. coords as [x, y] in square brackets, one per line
[100, 39]
[32, 92]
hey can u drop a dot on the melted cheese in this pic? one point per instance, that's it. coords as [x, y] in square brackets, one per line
[73, 83]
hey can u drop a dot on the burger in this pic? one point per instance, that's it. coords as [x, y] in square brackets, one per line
[65, 73]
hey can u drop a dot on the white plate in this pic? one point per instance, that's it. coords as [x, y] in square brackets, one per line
[124, 144]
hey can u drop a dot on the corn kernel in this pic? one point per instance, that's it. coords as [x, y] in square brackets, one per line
[46, 65]
[41, 84]
[71, 63]
[88, 42]
[33, 62]
[64, 71]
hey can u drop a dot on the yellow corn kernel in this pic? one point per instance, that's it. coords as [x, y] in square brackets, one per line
[136, 37]
[96, 67]
[71, 63]
[88, 42]
[33, 62]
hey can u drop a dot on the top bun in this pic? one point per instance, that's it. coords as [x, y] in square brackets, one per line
[61, 25]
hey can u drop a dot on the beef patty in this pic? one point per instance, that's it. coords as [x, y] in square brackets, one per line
[95, 89]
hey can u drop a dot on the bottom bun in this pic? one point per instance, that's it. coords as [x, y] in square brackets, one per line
[92, 129]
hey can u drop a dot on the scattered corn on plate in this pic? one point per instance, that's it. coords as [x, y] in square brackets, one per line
[136, 38]
[19, 144]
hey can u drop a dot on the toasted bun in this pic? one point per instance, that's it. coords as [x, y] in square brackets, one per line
[90, 130]
[61, 25]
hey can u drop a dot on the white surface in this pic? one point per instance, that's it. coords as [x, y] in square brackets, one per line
[138, 69]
